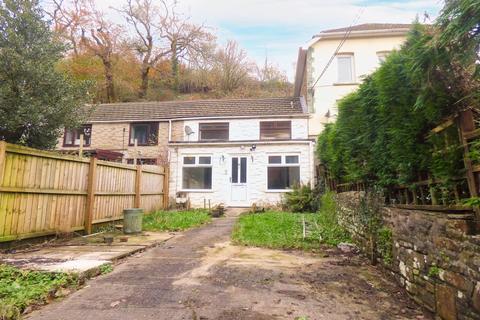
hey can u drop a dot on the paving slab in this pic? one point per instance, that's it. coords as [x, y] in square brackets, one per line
[74, 257]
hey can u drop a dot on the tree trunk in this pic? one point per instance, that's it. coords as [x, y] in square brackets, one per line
[109, 86]
[174, 61]
[142, 92]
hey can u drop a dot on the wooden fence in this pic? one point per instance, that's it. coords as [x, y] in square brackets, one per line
[43, 193]
[427, 192]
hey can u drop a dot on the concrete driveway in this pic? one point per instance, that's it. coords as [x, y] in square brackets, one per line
[199, 275]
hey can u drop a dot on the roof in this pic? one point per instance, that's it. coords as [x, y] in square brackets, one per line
[370, 27]
[148, 111]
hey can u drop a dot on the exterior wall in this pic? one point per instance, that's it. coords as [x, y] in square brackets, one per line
[326, 92]
[435, 257]
[115, 136]
[256, 171]
[249, 129]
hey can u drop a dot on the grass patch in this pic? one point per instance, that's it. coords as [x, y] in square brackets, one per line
[175, 220]
[284, 230]
[19, 289]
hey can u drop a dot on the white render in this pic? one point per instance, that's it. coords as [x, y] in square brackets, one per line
[244, 142]
[221, 192]
[327, 91]
[249, 129]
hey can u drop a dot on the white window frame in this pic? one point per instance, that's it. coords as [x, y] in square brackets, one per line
[283, 163]
[197, 164]
[382, 56]
[352, 67]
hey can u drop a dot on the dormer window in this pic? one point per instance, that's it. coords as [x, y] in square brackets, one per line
[345, 68]
[214, 131]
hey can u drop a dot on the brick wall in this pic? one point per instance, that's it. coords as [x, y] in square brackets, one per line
[435, 257]
[114, 136]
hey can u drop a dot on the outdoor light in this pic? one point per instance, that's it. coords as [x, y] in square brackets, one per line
[254, 147]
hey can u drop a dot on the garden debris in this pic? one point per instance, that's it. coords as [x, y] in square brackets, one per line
[346, 247]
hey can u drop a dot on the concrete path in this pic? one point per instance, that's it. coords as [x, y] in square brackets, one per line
[200, 275]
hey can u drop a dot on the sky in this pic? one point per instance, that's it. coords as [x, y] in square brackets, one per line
[277, 28]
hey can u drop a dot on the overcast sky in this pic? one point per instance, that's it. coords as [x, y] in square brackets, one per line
[277, 28]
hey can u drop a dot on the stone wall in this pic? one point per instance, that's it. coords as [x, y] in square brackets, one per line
[434, 257]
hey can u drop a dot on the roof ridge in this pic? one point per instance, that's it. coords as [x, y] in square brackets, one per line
[197, 100]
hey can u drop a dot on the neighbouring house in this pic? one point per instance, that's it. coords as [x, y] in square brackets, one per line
[335, 61]
[236, 152]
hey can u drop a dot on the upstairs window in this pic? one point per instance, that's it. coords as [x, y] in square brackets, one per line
[382, 56]
[345, 68]
[71, 137]
[146, 134]
[275, 130]
[214, 131]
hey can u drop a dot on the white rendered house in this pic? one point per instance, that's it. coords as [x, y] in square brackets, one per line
[325, 75]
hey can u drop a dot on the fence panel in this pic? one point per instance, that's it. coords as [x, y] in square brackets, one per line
[45, 193]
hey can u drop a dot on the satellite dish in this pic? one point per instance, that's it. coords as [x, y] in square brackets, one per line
[188, 130]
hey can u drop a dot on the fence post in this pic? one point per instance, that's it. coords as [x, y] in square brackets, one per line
[138, 182]
[166, 186]
[467, 124]
[91, 184]
[3, 156]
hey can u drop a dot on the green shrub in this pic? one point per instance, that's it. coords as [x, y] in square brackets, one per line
[302, 199]
[385, 245]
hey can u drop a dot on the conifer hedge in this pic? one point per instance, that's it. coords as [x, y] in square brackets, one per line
[381, 135]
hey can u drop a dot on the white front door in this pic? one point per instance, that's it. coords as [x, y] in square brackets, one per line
[238, 181]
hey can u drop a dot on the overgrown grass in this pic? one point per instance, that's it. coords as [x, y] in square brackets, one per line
[19, 289]
[284, 230]
[175, 220]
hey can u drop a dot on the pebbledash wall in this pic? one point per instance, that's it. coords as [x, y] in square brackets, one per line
[435, 257]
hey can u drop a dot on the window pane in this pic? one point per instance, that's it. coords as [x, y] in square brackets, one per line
[345, 73]
[189, 160]
[291, 159]
[69, 136]
[205, 160]
[280, 178]
[274, 159]
[87, 134]
[197, 178]
[275, 130]
[139, 132]
[214, 131]
[234, 170]
[243, 170]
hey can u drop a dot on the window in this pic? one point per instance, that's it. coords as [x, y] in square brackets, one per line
[140, 161]
[275, 130]
[239, 170]
[71, 137]
[382, 55]
[214, 131]
[197, 173]
[345, 68]
[145, 133]
[283, 172]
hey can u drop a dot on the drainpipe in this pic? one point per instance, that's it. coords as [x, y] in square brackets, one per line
[169, 130]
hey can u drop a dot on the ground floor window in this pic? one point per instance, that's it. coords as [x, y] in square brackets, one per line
[197, 173]
[283, 172]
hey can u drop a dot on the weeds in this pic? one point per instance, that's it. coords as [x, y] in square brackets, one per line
[19, 289]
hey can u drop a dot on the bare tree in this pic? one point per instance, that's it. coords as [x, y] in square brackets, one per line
[68, 20]
[161, 33]
[102, 38]
[232, 66]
